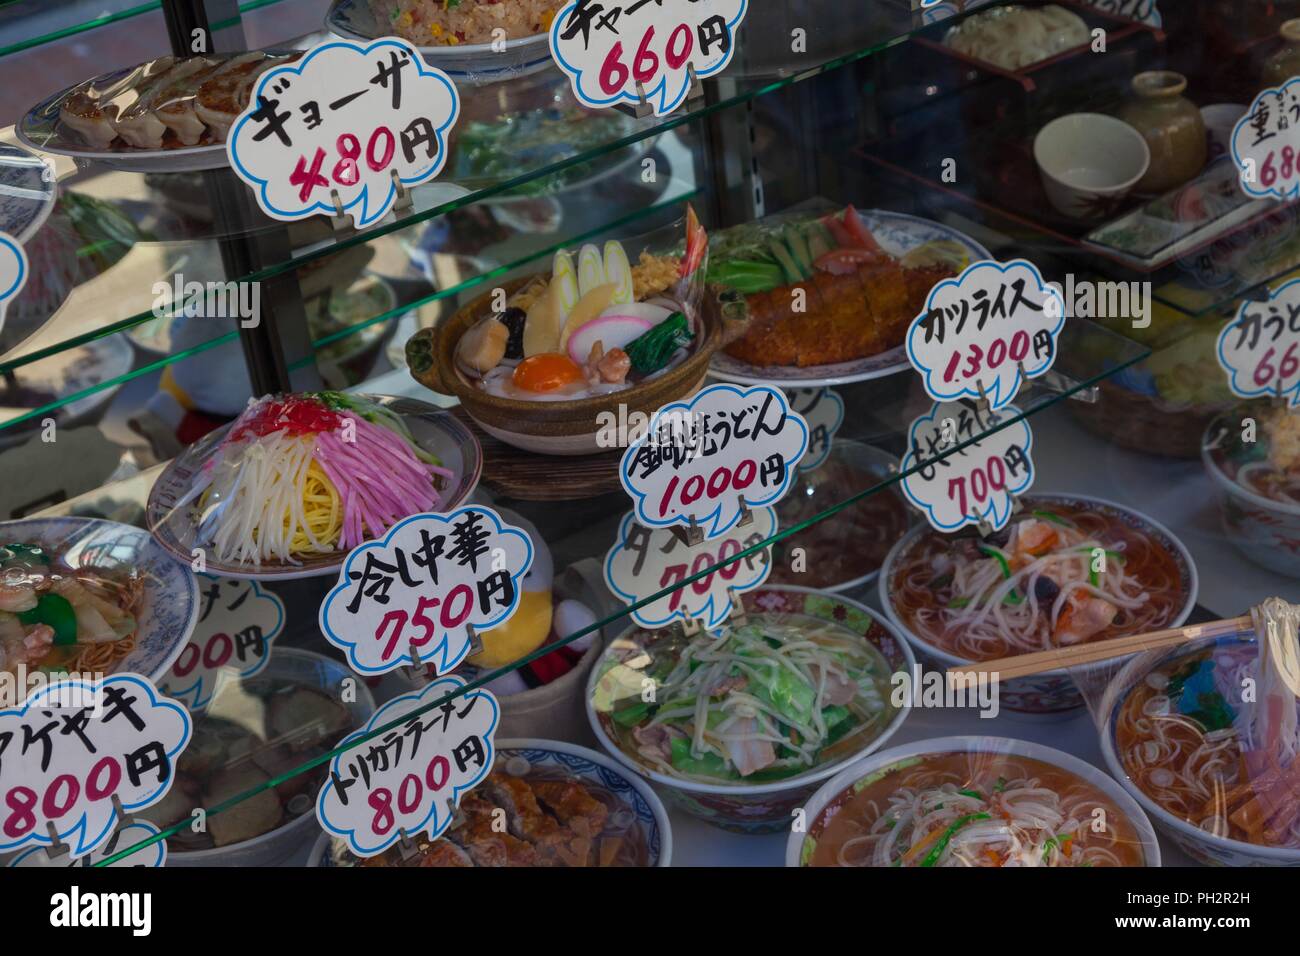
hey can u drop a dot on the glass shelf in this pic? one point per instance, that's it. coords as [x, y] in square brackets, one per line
[867, 115]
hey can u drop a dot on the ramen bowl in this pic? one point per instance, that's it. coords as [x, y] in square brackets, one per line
[1130, 694]
[998, 757]
[563, 427]
[1264, 528]
[1053, 695]
[586, 767]
[1089, 163]
[289, 704]
[619, 682]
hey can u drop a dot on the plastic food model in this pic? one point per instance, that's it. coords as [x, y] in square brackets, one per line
[596, 326]
[822, 290]
[185, 102]
[443, 23]
[311, 473]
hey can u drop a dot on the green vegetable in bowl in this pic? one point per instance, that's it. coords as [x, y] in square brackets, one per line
[766, 700]
[654, 349]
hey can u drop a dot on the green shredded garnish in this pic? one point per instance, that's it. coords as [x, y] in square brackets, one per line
[937, 851]
[1053, 518]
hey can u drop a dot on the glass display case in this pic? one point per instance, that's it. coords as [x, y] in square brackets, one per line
[764, 686]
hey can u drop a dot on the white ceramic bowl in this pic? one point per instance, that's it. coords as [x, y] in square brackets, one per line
[760, 807]
[1192, 840]
[584, 763]
[1051, 695]
[996, 745]
[277, 846]
[1089, 162]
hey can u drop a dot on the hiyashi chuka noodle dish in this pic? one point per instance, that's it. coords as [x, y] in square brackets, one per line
[309, 474]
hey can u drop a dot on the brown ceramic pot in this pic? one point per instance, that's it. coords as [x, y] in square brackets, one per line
[562, 427]
[1172, 126]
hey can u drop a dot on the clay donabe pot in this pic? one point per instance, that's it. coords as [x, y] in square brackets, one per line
[565, 427]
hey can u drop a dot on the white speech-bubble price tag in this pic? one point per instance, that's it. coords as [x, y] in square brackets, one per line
[412, 598]
[123, 838]
[238, 620]
[1266, 143]
[411, 779]
[1259, 349]
[76, 744]
[355, 122]
[13, 272]
[823, 410]
[645, 561]
[973, 485]
[614, 53]
[705, 462]
[984, 332]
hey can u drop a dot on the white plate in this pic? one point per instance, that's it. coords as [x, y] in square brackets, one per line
[40, 129]
[435, 430]
[473, 63]
[898, 233]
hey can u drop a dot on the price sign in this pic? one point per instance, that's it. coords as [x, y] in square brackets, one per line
[238, 620]
[152, 856]
[640, 50]
[352, 122]
[72, 747]
[419, 591]
[973, 484]
[644, 561]
[1266, 143]
[704, 462]
[984, 332]
[1260, 348]
[13, 272]
[410, 779]
[823, 410]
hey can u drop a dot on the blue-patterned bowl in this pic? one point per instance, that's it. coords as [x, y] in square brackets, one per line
[1051, 695]
[169, 607]
[1201, 845]
[755, 808]
[586, 765]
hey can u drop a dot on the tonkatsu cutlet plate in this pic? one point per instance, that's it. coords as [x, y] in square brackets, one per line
[898, 234]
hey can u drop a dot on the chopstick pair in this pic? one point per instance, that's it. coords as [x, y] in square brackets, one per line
[1039, 662]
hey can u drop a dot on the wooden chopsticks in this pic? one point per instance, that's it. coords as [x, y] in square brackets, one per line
[1023, 665]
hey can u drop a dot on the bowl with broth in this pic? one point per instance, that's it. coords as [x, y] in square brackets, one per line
[973, 801]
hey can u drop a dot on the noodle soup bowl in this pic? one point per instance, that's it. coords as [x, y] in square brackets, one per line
[766, 807]
[1197, 842]
[1266, 530]
[168, 606]
[841, 788]
[1057, 694]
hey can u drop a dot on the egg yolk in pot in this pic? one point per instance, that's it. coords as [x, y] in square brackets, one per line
[547, 372]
